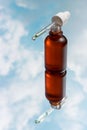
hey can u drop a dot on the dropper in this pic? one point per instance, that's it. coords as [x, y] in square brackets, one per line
[42, 117]
[42, 31]
[58, 19]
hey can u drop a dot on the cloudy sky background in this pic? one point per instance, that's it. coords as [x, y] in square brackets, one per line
[22, 97]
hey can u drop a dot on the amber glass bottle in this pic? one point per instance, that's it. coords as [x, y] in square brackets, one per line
[55, 65]
[55, 54]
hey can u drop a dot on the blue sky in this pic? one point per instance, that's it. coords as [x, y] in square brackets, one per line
[22, 97]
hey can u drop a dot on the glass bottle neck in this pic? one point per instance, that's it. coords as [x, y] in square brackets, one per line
[55, 32]
[55, 28]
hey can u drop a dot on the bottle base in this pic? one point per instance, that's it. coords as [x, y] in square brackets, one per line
[58, 105]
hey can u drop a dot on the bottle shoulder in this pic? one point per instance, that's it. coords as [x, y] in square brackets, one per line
[59, 39]
[62, 39]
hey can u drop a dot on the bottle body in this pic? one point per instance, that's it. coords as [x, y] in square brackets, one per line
[55, 52]
[55, 65]
[55, 86]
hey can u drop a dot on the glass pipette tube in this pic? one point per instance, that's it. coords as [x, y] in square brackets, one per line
[42, 31]
[44, 115]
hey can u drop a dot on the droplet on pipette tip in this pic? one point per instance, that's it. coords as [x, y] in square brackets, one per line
[34, 37]
[37, 121]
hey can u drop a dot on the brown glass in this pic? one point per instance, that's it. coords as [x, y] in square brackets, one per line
[55, 51]
[55, 65]
[55, 86]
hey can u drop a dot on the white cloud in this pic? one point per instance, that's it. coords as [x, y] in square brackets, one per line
[5, 114]
[76, 126]
[27, 4]
[12, 31]
[21, 3]
[72, 109]
[71, 126]
[26, 101]
[78, 57]
[24, 95]
[20, 101]
[72, 113]
[30, 65]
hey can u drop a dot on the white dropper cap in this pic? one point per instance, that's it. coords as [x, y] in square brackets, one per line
[61, 18]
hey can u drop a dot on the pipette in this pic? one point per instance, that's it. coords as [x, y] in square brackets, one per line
[42, 31]
[42, 117]
[59, 19]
